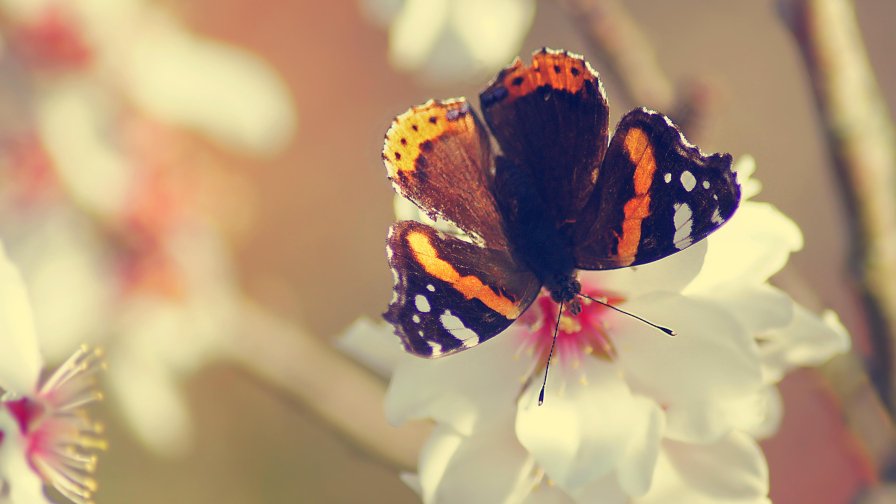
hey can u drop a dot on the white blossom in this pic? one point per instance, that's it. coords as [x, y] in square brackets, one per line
[630, 414]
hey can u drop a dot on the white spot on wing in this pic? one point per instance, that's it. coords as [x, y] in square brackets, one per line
[430, 288]
[457, 329]
[716, 217]
[688, 181]
[683, 220]
[706, 184]
[416, 318]
[421, 303]
[436, 348]
[667, 177]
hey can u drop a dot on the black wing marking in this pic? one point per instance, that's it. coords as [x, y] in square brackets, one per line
[449, 294]
[656, 194]
[551, 118]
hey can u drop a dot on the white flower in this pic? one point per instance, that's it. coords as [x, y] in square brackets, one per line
[453, 39]
[139, 49]
[58, 253]
[161, 339]
[45, 437]
[121, 219]
[630, 414]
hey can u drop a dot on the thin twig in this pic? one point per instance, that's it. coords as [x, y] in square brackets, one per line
[861, 139]
[341, 393]
[617, 39]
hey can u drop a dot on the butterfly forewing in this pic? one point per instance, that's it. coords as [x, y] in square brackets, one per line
[560, 197]
[656, 194]
[438, 155]
[550, 118]
[450, 294]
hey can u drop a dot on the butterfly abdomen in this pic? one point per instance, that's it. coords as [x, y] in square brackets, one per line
[536, 239]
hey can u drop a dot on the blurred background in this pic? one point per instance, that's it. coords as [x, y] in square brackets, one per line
[165, 161]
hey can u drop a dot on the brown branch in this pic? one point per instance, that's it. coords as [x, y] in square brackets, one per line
[861, 139]
[342, 394]
[618, 40]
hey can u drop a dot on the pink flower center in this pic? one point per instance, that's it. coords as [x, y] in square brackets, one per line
[577, 335]
[58, 436]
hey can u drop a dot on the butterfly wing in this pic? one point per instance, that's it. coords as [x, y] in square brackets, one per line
[656, 194]
[438, 155]
[550, 118]
[450, 294]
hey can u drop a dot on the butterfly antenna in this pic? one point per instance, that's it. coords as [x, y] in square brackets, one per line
[666, 330]
[550, 354]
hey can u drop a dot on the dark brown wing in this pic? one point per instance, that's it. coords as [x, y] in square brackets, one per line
[550, 118]
[656, 194]
[449, 294]
[438, 155]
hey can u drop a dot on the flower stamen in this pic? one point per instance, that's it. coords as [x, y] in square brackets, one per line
[58, 435]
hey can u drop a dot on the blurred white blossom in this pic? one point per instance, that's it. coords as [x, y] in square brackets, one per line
[452, 39]
[630, 414]
[175, 76]
[107, 198]
[45, 436]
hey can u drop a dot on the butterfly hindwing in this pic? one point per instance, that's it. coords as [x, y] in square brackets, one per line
[656, 194]
[451, 294]
[438, 155]
[550, 118]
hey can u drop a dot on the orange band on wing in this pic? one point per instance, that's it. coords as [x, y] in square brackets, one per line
[411, 133]
[640, 152]
[557, 69]
[470, 286]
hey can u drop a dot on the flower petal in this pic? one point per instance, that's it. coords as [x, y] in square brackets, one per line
[16, 474]
[463, 390]
[74, 120]
[585, 425]
[758, 307]
[807, 341]
[710, 359]
[605, 490]
[670, 274]
[58, 254]
[745, 167]
[730, 471]
[492, 31]
[750, 248]
[415, 32]
[151, 400]
[20, 358]
[635, 470]
[489, 466]
[707, 421]
[771, 419]
[373, 344]
[547, 494]
[220, 90]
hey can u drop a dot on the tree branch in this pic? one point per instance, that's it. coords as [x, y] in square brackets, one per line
[341, 393]
[615, 36]
[861, 139]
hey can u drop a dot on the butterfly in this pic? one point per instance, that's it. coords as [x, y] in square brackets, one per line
[558, 196]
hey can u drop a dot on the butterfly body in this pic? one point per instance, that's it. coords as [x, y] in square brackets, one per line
[561, 196]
